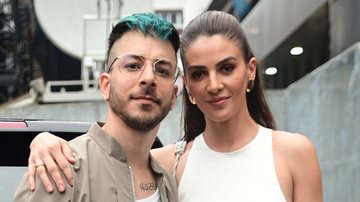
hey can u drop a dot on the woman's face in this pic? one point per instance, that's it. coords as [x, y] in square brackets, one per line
[217, 77]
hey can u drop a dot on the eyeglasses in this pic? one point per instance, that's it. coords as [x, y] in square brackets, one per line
[133, 66]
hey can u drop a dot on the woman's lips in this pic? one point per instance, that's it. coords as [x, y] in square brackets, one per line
[218, 101]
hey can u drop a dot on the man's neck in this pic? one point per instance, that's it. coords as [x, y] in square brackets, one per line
[136, 144]
[137, 147]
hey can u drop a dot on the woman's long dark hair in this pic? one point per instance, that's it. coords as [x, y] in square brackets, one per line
[208, 24]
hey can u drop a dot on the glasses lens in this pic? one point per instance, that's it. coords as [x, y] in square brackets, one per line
[164, 69]
[133, 66]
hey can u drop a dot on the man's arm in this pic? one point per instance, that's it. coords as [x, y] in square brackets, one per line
[24, 194]
[54, 152]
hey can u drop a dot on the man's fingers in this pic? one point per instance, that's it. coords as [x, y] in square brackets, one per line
[55, 154]
[31, 175]
[64, 166]
[41, 171]
[54, 173]
[67, 151]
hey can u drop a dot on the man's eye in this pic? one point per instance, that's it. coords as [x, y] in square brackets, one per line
[132, 66]
[163, 68]
[162, 71]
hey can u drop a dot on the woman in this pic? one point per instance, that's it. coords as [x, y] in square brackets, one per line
[234, 152]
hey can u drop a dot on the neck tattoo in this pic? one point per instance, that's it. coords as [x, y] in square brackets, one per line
[149, 186]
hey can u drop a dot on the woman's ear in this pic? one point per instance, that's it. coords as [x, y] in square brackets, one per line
[105, 85]
[173, 101]
[252, 67]
[184, 79]
[185, 82]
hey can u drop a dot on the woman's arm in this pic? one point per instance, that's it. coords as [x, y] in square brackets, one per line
[53, 152]
[305, 170]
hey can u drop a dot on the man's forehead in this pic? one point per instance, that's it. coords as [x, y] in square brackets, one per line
[138, 43]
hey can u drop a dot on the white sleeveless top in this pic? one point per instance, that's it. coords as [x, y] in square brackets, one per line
[246, 175]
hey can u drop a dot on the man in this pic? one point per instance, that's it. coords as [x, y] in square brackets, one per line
[113, 161]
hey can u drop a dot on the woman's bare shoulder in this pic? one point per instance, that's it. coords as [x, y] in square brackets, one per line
[294, 143]
[299, 154]
[165, 155]
[298, 151]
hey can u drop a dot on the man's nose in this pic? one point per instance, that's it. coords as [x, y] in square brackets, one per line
[147, 76]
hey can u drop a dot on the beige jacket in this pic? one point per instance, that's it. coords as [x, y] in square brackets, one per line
[100, 174]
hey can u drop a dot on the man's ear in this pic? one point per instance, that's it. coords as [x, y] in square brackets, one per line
[105, 85]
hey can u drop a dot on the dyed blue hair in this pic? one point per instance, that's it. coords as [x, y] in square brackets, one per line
[148, 24]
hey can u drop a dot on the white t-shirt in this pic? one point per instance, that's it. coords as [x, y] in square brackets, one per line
[155, 197]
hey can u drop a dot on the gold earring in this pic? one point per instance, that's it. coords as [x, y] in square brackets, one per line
[250, 85]
[192, 99]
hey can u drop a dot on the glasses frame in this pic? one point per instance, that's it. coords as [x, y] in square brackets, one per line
[154, 61]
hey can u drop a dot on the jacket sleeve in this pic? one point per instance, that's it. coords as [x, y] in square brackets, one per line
[24, 194]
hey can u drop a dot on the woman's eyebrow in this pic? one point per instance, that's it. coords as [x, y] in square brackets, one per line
[225, 60]
[196, 67]
[221, 62]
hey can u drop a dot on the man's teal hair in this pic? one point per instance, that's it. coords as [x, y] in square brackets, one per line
[150, 25]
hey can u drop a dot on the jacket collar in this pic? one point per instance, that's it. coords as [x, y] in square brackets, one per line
[114, 149]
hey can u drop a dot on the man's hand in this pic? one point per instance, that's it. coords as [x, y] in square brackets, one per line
[48, 154]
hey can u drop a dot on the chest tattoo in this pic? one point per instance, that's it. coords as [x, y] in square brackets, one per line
[150, 186]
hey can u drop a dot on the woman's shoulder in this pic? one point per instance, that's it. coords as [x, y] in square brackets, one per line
[297, 154]
[294, 142]
[297, 149]
[165, 155]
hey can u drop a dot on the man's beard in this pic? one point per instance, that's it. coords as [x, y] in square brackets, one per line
[142, 122]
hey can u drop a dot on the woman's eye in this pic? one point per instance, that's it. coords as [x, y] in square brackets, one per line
[196, 75]
[227, 68]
